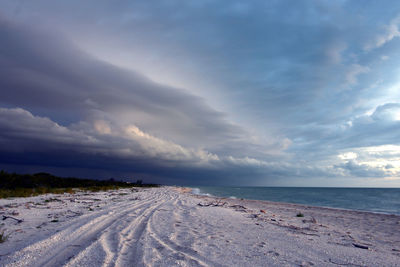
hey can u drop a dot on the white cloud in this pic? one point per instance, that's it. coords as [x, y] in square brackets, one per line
[348, 155]
[335, 51]
[157, 147]
[102, 127]
[380, 161]
[390, 32]
[387, 112]
[353, 72]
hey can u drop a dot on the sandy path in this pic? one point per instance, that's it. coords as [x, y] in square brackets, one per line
[110, 231]
[164, 227]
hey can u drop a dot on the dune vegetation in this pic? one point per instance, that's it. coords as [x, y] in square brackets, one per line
[25, 185]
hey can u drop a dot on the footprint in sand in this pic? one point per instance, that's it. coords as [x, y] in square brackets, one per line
[305, 263]
[262, 244]
[273, 253]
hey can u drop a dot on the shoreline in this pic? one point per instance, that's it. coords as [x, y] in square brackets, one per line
[301, 205]
[170, 226]
[293, 203]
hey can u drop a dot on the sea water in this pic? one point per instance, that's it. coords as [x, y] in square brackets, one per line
[381, 200]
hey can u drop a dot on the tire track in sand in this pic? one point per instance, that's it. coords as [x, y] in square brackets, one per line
[116, 241]
[131, 251]
[191, 256]
[59, 248]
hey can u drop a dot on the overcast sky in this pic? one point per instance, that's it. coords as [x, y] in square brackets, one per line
[291, 93]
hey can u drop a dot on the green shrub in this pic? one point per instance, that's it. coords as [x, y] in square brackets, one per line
[26, 185]
[3, 237]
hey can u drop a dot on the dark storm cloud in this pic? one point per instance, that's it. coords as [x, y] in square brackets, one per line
[116, 119]
[26, 139]
[264, 52]
[45, 73]
[280, 63]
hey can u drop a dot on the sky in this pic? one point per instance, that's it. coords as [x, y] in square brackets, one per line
[201, 92]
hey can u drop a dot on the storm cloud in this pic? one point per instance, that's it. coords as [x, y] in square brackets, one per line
[260, 93]
[97, 113]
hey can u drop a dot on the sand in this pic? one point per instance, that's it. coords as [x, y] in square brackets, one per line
[171, 227]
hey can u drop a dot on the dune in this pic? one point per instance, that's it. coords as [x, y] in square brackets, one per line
[169, 226]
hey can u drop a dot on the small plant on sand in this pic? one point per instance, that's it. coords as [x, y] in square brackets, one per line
[300, 214]
[3, 237]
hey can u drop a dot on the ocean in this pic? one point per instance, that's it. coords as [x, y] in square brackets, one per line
[380, 200]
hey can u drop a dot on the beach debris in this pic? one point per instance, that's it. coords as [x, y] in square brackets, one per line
[312, 220]
[305, 263]
[237, 207]
[299, 214]
[342, 263]
[40, 225]
[12, 205]
[360, 246]
[263, 211]
[305, 233]
[52, 200]
[212, 204]
[74, 212]
[297, 229]
[14, 213]
[9, 217]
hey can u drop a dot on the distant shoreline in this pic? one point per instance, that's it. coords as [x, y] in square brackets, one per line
[200, 191]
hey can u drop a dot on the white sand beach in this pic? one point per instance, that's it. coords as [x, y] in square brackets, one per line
[168, 226]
